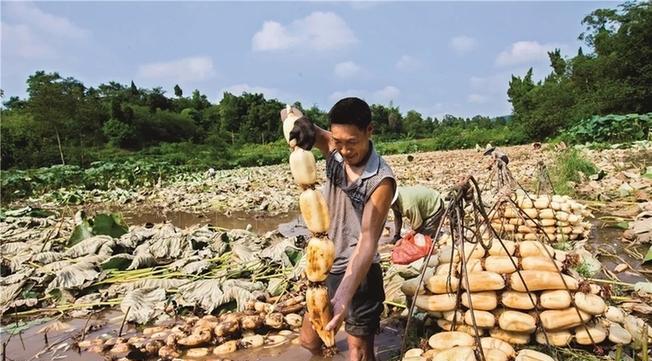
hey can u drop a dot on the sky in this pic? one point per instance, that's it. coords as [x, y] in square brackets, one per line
[433, 57]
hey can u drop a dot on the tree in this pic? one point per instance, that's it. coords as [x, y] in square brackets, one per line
[615, 77]
[177, 91]
[133, 89]
[413, 124]
[53, 101]
[118, 133]
[199, 101]
[156, 99]
[15, 103]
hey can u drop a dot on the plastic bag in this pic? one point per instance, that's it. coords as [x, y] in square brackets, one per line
[411, 247]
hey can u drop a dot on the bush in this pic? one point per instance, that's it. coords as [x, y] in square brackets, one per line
[119, 134]
[567, 168]
[611, 129]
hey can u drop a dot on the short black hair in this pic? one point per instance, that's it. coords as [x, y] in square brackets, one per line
[351, 110]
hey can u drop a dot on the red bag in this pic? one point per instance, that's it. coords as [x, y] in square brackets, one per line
[411, 247]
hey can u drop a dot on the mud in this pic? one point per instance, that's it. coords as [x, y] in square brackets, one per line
[30, 345]
[608, 236]
[258, 223]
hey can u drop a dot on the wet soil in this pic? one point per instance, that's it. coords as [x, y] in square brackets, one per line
[607, 235]
[29, 345]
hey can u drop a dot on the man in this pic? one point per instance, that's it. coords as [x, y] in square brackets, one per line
[422, 206]
[358, 190]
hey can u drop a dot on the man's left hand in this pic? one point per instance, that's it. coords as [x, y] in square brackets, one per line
[340, 311]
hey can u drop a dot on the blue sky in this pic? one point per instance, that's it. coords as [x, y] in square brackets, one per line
[434, 57]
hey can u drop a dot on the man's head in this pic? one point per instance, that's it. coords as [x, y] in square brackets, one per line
[350, 122]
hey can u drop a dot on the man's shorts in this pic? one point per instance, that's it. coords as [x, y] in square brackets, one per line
[367, 303]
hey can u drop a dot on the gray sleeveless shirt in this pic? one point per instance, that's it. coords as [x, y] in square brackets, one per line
[346, 202]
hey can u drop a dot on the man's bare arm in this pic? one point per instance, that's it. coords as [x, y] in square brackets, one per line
[373, 219]
[323, 141]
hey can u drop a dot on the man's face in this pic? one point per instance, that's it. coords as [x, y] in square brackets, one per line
[351, 141]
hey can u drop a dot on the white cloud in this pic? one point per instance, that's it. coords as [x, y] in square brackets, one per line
[273, 36]
[463, 44]
[477, 98]
[21, 41]
[317, 31]
[347, 70]
[186, 69]
[30, 33]
[525, 52]
[488, 89]
[383, 96]
[407, 63]
[492, 84]
[29, 13]
[387, 94]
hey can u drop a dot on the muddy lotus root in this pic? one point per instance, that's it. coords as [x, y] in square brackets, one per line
[518, 293]
[555, 218]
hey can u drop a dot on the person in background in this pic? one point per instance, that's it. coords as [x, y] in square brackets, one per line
[422, 206]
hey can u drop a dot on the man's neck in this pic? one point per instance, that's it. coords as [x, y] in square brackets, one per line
[364, 160]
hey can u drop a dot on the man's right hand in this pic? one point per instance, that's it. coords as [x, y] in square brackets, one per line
[303, 133]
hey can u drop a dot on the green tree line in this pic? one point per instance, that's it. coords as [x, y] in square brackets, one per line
[62, 121]
[615, 77]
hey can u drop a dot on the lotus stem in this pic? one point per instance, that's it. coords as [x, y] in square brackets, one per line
[395, 304]
[596, 280]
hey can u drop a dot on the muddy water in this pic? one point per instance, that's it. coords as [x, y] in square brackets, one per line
[607, 235]
[257, 223]
[30, 344]
[387, 345]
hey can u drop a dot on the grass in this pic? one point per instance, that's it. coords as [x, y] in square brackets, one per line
[584, 270]
[568, 168]
[562, 246]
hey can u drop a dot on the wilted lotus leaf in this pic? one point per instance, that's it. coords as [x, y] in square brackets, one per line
[278, 251]
[168, 244]
[135, 237]
[47, 257]
[99, 245]
[142, 258]
[74, 276]
[54, 266]
[143, 305]
[196, 267]
[119, 261]
[8, 294]
[242, 253]
[276, 286]
[16, 277]
[241, 291]
[206, 293]
[13, 248]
